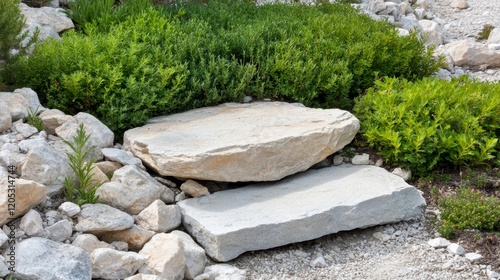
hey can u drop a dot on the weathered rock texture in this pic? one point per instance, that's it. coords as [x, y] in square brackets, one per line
[241, 142]
[301, 207]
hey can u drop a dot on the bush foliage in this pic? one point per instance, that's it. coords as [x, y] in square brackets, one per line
[432, 123]
[192, 55]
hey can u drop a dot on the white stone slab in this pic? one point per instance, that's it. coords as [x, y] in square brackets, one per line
[298, 208]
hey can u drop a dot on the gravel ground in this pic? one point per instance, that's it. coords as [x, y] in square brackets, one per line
[396, 251]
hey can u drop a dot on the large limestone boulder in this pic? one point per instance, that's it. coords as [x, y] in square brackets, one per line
[54, 18]
[28, 195]
[166, 258]
[473, 54]
[319, 202]
[101, 218]
[40, 258]
[17, 105]
[263, 141]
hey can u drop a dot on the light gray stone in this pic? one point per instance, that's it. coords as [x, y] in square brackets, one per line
[222, 272]
[159, 217]
[195, 255]
[69, 209]
[135, 237]
[89, 242]
[25, 129]
[131, 190]
[363, 159]
[17, 105]
[338, 160]
[108, 167]
[47, 166]
[5, 117]
[460, 4]
[112, 264]
[54, 118]
[3, 237]
[431, 32]
[472, 54]
[100, 218]
[31, 223]
[141, 276]
[8, 158]
[473, 257]
[60, 231]
[27, 144]
[439, 243]
[55, 18]
[318, 262]
[4, 270]
[166, 257]
[120, 245]
[405, 174]
[32, 98]
[100, 133]
[28, 195]
[122, 157]
[408, 23]
[456, 249]
[40, 258]
[324, 201]
[10, 147]
[494, 37]
[194, 189]
[282, 138]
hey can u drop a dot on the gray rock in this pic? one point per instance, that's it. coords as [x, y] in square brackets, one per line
[100, 218]
[121, 156]
[32, 98]
[439, 243]
[69, 209]
[460, 4]
[166, 258]
[131, 190]
[194, 189]
[473, 54]
[27, 144]
[5, 117]
[141, 276]
[120, 245]
[363, 159]
[494, 37]
[60, 231]
[112, 264]
[39, 258]
[473, 257]
[408, 23]
[254, 217]
[456, 249]
[17, 105]
[28, 195]
[99, 132]
[159, 217]
[405, 174]
[89, 242]
[56, 19]
[222, 272]
[338, 160]
[318, 262]
[135, 237]
[25, 129]
[32, 223]
[431, 32]
[3, 237]
[47, 166]
[283, 138]
[195, 255]
[54, 118]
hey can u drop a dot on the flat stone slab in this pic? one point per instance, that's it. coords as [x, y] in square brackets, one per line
[262, 141]
[298, 208]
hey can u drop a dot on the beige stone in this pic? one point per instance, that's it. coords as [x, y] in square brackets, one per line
[108, 167]
[98, 176]
[460, 4]
[28, 194]
[194, 189]
[159, 217]
[54, 118]
[166, 257]
[473, 54]
[89, 242]
[135, 237]
[112, 264]
[262, 141]
[18, 106]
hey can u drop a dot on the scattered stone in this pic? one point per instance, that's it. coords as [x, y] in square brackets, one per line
[363, 159]
[135, 237]
[222, 272]
[25, 145]
[494, 37]
[60, 231]
[472, 54]
[122, 157]
[381, 236]
[5, 117]
[56, 19]
[131, 190]
[431, 32]
[99, 132]
[100, 218]
[318, 262]
[98, 177]
[120, 245]
[439, 243]
[31, 223]
[141, 276]
[456, 249]
[338, 160]
[108, 167]
[165, 257]
[405, 174]
[253, 218]
[54, 118]
[112, 264]
[69, 209]
[89, 242]
[195, 255]
[32, 99]
[194, 189]
[473, 257]
[17, 105]
[3, 237]
[25, 129]
[283, 138]
[28, 195]
[159, 217]
[180, 197]
[166, 182]
[460, 4]
[40, 258]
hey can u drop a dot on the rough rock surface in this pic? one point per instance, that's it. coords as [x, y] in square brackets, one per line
[28, 195]
[100, 218]
[112, 264]
[322, 201]
[135, 237]
[282, 138]
[166, 258]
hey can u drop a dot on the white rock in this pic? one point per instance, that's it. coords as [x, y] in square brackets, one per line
[17, 105]
[473, 257]
[131, 190]
[121, 156]
[100, 218]
[283, 138]
[431, 32]
[494, 37]
[473, 54]
[439, 243]
[120, 245]
[60, 231]
[259, 216]
[47, 16]
[159, 217]
[403, 32]
[222, 272]
[102, 135]
[3, 237]
[89, 242]
[494, 47]
[363, 159]
[456, 249]
[460, 4]
[27, 144]
[195, 255]
[4, 270]
[166, 257]
[8, 158]
[28, 195]
[25, 129]
[194, 189]
[112, 264]
[135, 237]
[5, 117]
[492, 274]
[405, 174]
[381, 236]
[318, 262]
[54, 118]
[39, 258]
[32, 98]
[31, 223]
[69, 209]
[409, 23]
[141, 276]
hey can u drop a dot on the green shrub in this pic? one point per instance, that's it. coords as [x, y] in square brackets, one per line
[11, 37]
[432, 123]
[468, 209]
[193, 55]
